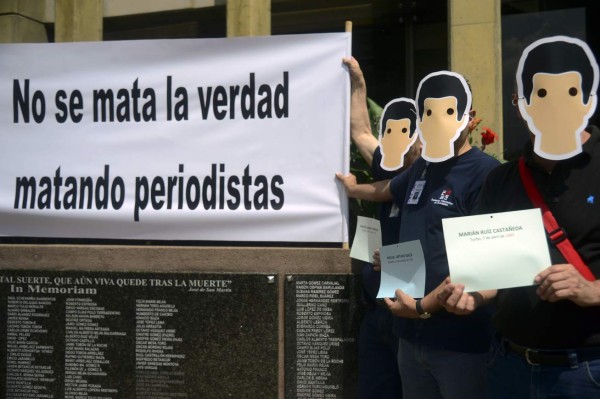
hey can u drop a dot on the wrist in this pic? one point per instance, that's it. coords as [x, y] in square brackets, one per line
[594, 294]
[430, 304]
[351, 191]
[477, 298]
[421, 312]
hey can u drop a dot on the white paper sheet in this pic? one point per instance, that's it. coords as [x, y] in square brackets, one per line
[367, 239]
[494, 251]
[403, 267]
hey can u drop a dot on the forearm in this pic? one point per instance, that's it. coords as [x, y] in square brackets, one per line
[360, 125]
[376, 191]
[365, 142]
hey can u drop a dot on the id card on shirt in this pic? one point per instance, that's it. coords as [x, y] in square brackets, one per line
[415, 193]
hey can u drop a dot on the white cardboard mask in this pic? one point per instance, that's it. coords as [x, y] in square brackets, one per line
[398, 134]
[557, 80]
[443, 105]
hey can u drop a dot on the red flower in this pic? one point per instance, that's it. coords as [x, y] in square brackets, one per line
[488, 136]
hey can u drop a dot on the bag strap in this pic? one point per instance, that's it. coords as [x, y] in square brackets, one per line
[557, 234]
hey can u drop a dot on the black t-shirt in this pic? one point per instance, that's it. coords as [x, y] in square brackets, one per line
[572, 193]
[389, 218]
[389, 214]
[450, 189]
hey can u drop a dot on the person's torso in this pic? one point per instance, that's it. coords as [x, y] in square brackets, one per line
[572, 193]
[436, 191]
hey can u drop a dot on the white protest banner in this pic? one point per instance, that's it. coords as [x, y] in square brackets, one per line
[233, 139]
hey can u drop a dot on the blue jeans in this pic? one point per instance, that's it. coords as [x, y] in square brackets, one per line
[431, 373]
[510, 376]
[378, 376]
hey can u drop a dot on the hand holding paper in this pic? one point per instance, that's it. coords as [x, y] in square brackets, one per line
[563, 281]
[455, 299]
[402, 306]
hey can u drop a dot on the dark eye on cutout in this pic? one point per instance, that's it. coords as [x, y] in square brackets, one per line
[389, 131]
[428, 112]
[450, 111]
[404, 130]
[542, 93]
[573, 91]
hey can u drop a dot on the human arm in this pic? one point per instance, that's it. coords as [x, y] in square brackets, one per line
[378, 191]
[563, 281]
[455, 300]
[406, 306]
[360, 124]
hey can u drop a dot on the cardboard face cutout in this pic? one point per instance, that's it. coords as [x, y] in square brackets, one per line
[397, 132]
[443, 105]
[557, 79]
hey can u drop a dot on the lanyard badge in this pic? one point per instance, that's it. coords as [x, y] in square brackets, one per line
[417, 190]
[415, 193]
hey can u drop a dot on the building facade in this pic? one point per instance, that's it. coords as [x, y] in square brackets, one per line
[397, 42]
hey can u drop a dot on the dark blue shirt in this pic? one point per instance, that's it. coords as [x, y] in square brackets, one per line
[450, 189]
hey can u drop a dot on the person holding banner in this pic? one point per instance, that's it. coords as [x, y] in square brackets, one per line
[549, 333]
[378, 376]
[441, 355]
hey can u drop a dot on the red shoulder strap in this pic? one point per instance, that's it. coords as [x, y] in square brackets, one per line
[556, 233]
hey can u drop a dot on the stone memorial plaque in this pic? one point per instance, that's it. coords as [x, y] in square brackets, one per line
[137, 335]
[322, 318]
